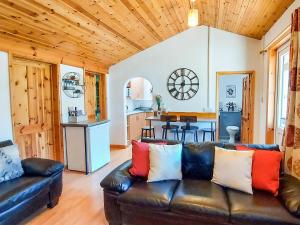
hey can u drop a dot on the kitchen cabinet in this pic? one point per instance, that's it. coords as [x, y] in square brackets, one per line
[135, 123]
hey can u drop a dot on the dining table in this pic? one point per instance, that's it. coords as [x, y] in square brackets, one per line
[212, 121]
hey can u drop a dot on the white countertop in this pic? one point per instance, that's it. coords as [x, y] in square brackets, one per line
[138, 111]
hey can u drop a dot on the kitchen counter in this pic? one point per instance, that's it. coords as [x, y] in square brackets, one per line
[85, 123]
[87, 145]
[138, 111]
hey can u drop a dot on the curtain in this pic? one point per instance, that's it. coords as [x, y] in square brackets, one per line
[291, 139]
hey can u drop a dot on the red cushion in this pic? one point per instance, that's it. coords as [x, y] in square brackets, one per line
[140, 158]
[265, 169]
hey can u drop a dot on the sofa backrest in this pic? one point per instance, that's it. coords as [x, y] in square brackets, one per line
[198, 158]
[169, 142]
[5, 143]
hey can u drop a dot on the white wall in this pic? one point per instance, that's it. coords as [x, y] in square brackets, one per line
[236, 80]
[67, 101]
[232, 52]
[5, 113]
[228, 52]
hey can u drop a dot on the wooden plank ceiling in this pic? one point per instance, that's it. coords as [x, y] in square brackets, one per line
[108, 31]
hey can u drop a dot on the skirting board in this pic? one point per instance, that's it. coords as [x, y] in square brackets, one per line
[118, 146]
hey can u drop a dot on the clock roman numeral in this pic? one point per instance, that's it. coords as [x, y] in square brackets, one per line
[182, 71]
[172, 90]
[171, 84]
[192, 78]
[189, 95]
[188, 73]
[182, 96]
[193, 90]
[176, 95]
[176, 74]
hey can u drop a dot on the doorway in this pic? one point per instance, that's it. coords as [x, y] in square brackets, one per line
[95, 95]
[138, 106]
[32, 108]
[235, 106]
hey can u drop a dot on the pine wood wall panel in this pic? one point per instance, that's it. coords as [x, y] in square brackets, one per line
[104, 32]
[32, 111]
[90, 95]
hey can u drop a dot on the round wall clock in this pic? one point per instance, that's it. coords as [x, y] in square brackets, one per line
[183, 84]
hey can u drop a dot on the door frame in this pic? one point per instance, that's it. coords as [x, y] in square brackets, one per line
[56, 104]
[251, 74]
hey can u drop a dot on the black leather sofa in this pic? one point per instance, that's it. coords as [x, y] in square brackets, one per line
[195, 200]
[41, 185]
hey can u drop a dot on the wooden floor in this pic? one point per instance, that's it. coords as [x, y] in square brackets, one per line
[82, 198]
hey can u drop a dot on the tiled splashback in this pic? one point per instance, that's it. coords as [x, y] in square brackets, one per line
[133, 104]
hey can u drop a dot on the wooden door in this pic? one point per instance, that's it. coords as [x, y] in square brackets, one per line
[246, 109]
[32, 111]
[90, 96]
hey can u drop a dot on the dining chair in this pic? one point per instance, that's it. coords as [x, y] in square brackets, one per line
[188, 128]
[169, 127]
[148, 132]
[211, 130]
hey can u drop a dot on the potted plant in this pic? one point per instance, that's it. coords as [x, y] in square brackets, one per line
[158, 99]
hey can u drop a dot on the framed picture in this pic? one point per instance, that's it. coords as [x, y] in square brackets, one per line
[230, 91]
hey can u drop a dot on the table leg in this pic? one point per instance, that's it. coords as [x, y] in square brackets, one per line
[211, 128]
[150, 126]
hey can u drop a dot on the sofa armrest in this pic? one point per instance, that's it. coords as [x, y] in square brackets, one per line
[289, 193]
[41, 167]
[119, 180]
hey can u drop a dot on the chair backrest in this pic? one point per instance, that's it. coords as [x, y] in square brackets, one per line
[168, 118]
[188, 119]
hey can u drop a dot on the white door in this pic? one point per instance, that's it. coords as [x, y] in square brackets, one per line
[282, 91]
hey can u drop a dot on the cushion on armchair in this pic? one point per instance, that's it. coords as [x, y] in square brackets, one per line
[289, 193]
[41, 167]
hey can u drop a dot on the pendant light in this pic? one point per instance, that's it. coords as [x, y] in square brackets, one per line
[193, 15]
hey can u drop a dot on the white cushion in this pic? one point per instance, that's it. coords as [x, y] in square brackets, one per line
[165, 162]
[233, 169]
[10, 163]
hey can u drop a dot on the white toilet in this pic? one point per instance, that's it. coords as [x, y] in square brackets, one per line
[232, 130]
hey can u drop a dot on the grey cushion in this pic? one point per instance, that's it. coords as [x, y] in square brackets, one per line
[10, 163]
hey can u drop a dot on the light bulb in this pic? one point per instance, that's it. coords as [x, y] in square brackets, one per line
[193, 17]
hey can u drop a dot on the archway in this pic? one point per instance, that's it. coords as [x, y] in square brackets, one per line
[138, 105]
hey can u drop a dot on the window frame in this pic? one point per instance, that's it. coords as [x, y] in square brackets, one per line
[281, 51]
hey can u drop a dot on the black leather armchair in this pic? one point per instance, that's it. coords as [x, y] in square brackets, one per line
[195, 200]
[40, 185]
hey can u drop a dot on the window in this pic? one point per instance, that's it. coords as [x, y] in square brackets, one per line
[282, 86]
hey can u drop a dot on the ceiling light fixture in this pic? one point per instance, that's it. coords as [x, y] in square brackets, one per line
[193, 15]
